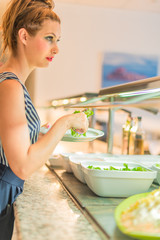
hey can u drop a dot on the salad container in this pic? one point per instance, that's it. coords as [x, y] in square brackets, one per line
[117, 183]
[65, 161]
[65, 158]
[55, 160]
[75, 163]
[156, 167]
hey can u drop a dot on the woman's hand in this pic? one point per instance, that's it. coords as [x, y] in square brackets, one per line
[45, 129]
[78, 122]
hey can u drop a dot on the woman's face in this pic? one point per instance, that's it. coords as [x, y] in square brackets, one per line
[41, 49]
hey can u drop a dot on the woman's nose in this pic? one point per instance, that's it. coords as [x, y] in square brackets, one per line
[55, 50]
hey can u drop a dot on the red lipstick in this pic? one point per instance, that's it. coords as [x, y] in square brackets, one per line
[49, 59]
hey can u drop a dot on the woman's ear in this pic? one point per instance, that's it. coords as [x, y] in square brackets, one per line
[23, 35]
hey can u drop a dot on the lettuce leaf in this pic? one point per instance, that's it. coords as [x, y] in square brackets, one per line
[126, 168]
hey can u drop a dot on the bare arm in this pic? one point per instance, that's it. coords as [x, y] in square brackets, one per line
[23, 157]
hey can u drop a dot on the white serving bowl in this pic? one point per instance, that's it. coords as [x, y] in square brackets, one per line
[65, 158]
[75, 163]
[157, 169]
[65, 161]
[55, 160]
[107, 183]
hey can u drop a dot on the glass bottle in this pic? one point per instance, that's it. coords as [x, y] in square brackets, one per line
[139, 139]
[132, 133]
[125, 135]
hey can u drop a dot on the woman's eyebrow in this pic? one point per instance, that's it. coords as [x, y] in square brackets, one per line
[54, 35]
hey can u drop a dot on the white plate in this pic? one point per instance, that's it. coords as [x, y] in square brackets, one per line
[91, 135]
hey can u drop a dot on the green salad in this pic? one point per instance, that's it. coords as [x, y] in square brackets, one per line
[158, 165]
[125, 168]
[88, 113]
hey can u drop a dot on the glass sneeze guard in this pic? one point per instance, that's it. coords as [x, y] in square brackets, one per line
[144, 94]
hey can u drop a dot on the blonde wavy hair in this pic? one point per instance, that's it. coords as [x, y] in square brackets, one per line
[28, 14]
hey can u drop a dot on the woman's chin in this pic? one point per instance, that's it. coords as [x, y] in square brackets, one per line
[43, 65]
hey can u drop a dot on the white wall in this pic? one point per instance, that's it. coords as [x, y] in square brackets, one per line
[88, 32]
[3, 5]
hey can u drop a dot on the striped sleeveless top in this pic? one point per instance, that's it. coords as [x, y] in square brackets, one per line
[30, 111]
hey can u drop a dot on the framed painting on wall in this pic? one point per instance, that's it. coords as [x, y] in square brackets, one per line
[118, 68]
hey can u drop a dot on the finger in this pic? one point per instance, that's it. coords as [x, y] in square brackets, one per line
[80, 131]
[46, 125]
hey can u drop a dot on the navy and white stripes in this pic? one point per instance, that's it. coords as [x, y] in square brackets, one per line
[31, 115]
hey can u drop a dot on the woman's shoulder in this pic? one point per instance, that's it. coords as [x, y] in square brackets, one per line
[9, 86]
[5, 75]
[11, 99]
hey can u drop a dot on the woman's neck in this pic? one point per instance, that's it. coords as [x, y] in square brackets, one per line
[18, 66]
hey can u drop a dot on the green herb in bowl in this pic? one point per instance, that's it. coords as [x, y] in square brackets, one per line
[126, 168]
[97, 168]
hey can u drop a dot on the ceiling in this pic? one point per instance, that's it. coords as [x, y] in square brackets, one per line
[135, 5]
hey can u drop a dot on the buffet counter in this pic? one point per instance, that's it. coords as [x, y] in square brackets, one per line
[55, 205]
[45, 211]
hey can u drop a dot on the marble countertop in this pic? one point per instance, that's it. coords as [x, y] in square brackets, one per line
[45, 211]
[48, 209]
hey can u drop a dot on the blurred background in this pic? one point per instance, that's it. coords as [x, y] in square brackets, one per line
[91, 29]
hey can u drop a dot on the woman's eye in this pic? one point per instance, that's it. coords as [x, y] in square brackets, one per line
[49, 38]
[52, 39]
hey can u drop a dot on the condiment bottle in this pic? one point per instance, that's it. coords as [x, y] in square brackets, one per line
[132, 133]
[125, 135]
[139, 139]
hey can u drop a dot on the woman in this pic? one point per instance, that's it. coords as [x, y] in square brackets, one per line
[31, 31]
